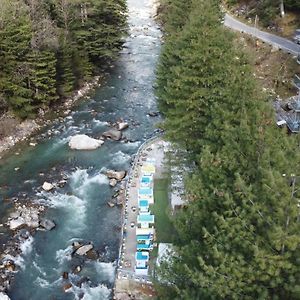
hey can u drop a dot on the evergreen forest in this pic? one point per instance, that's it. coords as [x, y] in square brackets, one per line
[238, 237]
[48, 48]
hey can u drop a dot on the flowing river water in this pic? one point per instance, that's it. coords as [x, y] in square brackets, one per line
[80, 208]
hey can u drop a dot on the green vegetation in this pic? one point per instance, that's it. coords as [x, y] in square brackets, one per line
[239, 236]
[48, 48]
[161, 210]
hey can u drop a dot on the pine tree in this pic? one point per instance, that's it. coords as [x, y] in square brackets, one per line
[42, 78]
[64, 67]
[238, 238]
[48, 48]
[15, 40]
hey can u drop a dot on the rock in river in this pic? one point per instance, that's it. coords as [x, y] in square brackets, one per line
[4, 297]
[84, 142]
[84, 249]
[47, 186]
[113, 134]
[16, 223]
[65, 275]
[92, 254]
[67, 286]
[122, 126]
[47, 224]
[113, 182]
[24, 216]
[118, 175]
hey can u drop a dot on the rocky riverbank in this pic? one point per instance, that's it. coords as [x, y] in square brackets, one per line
[27, 216]
[13, 131]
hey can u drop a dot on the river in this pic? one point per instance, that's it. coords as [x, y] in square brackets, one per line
[80, 208]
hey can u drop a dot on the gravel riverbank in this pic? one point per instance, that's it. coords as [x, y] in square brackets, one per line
[13, 131]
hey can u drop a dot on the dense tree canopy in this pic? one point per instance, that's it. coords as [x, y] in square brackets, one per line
[239, 236]
[50, 47]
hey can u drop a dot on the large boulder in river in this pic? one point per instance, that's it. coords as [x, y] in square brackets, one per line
[118, 175]
[84, 249]
[84, 142]
[113, 134]
[47, 224]
[47, 186]
[4, 297]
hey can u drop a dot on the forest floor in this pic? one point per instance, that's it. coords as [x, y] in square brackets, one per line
[273, 68]
[284, 27]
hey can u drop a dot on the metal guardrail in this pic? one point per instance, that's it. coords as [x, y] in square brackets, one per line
[297, 81]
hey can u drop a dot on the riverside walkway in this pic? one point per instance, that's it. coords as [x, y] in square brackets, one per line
[127, 282]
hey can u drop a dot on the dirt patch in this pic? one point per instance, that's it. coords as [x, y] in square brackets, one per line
[128, 289]
[8, 123]
[274, 69]
[288, 24]
[13, 131]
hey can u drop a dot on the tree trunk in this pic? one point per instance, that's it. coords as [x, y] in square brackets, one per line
[282, 13]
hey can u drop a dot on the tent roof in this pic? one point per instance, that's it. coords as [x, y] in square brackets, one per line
[143, 203]
[148, 168]
[145, 218]
[146, 191]
[142, 255]
[143, 237]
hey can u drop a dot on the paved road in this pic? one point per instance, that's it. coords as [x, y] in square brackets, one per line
[282, 43]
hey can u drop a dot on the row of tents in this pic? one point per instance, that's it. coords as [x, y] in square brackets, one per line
[145, 220]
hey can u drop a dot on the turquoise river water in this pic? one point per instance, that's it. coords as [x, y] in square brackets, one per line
[79, 209]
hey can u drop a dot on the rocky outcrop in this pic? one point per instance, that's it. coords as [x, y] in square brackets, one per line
[24, 216]
[84, 142]
[118, 175]
[113, 134]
